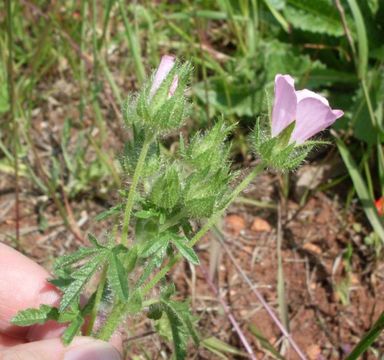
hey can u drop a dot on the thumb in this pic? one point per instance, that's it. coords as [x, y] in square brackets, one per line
[81, 348]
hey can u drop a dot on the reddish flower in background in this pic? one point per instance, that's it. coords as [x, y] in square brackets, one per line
[379, 203]
[311, 111]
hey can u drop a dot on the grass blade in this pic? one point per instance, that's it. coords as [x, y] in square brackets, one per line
[362, 41]
[368, 339]
[361, 190]
[133, 43]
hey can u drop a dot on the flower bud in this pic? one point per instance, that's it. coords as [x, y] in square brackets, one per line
[161, 106]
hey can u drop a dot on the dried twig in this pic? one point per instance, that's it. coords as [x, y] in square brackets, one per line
[228, 312]
[269, 310]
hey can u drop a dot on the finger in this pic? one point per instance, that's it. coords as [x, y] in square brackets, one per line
[7, 341]
[82, 348]
[23, 284]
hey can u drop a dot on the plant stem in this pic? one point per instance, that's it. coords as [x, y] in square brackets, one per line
[96, 306]
[112, 322]
[119, 309]
[132, 189]
[147, 288]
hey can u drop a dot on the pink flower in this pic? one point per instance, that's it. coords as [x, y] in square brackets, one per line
[310, 110]
[166, 64]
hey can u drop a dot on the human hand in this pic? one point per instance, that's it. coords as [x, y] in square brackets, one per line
[23, 284]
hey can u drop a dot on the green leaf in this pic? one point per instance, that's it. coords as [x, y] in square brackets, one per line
[72, 330]
[130, 259]
[81, 277]
[110, 212]
[92, 239]
[71, 259]
[149, 267]
[362, 40]
[185, 250]
[368, 339]
[146, 214]
[285, 135]
[166, 190]
[361, 190]
[200, 207]
[181, 325]
[318, 16]
[31, 316]
[146, 229]
[154, 245]
[118, 277]
[274, 11]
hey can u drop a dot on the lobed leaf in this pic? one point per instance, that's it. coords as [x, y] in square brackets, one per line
[81, 277]
[71, 259]
[118, 277]
[185, 250]
[153, 246]
[31, 316]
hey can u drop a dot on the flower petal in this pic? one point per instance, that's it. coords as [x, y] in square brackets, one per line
[166, 64]
[284, 106]
[173, 87]
[313, 116]
[305, 93]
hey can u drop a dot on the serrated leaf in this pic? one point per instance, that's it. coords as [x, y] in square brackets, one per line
[71, 259]
[130, 258]
[81, 277]
[118, 277]
[185, 250]
[201, 207]
[31, 316]
[318, 16]
[154, 245]
[181, 325]
[62, 282]
[166, 190]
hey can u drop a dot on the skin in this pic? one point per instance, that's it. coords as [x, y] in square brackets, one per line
[23, 285]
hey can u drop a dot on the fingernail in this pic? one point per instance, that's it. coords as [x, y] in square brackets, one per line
[93, 351]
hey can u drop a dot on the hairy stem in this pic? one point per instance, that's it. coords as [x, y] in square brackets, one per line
[119, 308]
[112, 322]
[132, 189]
